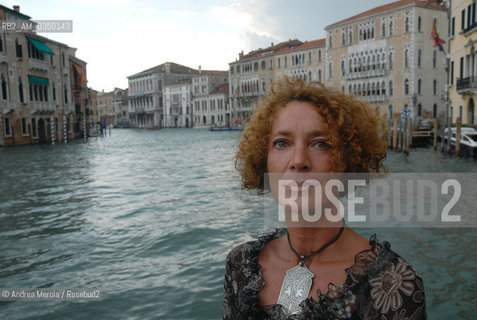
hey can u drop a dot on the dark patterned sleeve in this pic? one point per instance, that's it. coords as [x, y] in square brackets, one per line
[397, 292]
[230, 293]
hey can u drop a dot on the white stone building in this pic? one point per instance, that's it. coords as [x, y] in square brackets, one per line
[145, 92]
[178, 104]
[209, 106]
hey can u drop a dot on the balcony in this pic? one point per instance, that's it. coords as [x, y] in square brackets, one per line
[467, 85]
[366, 74]
[42, 106]
[374, 98]
[7, 106]
[470, 28]
[3, 57]
[69, 108]
[38, 64]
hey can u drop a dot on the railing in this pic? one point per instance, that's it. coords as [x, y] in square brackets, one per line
[374, 98]
[42, 106]
[466, 84]
[69, 107]
[470, 27]
[7, 105]
[366, 74]
[38, 64]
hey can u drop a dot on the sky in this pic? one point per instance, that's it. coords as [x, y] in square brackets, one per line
[118, 38]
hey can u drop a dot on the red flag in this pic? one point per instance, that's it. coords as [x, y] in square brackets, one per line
[438, 42]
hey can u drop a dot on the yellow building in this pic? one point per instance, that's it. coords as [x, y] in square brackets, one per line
[252, 74]
[463, 60]
[41, 86]
[386, 57]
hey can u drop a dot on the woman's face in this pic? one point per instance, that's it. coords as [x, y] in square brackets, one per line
[299, 141]
[299, 153]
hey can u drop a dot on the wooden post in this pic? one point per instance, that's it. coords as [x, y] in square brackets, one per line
[407, 137]
[395, 133]
[435, 133]
[457, 137]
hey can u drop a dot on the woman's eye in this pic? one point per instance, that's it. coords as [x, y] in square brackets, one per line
[280, 144]
[321, 145]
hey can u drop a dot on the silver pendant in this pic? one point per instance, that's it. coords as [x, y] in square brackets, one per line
[295, 288]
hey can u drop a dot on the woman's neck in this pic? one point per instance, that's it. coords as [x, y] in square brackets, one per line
[308, 239]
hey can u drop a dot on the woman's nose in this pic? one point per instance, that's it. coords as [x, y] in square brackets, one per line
[300, 159]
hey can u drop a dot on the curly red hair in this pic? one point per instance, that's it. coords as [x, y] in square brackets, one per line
[358, 138]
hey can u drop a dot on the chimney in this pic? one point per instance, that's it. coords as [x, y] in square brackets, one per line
[16, 8]
[271, 45]
[200, 69]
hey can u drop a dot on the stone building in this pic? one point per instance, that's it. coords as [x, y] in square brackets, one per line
[120, 108]
[463, 60]
[208, 102]
[145, 92]
[106, 112]
[178, 104]
[251, 75]
[386, 56]
[43, 87]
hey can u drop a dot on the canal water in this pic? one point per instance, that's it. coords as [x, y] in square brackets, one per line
[149, 216]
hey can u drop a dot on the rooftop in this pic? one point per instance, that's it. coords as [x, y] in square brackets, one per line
[435, 4]
[167, 67]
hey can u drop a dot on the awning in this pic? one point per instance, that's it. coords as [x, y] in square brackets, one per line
[41, 46]
[38, 80]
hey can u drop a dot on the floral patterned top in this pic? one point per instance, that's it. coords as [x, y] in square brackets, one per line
[379, 285]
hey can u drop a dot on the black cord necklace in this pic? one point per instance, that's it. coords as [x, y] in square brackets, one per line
[323, 247]
[298, 280]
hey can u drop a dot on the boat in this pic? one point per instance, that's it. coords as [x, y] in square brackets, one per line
[468, 140]
[214, 128]
[421, 134]
[154, 128]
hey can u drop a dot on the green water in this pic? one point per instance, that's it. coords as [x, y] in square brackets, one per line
[149, 216]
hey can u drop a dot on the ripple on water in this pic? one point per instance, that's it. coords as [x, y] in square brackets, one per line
[148, 217]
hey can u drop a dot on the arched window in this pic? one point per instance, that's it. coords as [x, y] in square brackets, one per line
[434, 59]
[390, 111]
[391, 60]
[383, 88]
[434, 111]
[342, 67]
[419, 110]
[406, 86]
[419, 54]
[20, 90]
[406, 24]
[434, 86]
[419, 24]
[391, 88]
[4, 88]
[419, 86]
[330, 69]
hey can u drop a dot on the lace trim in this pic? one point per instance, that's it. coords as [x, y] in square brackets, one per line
[356, 274]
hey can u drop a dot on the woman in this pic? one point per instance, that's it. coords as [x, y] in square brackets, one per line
[324, 270]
